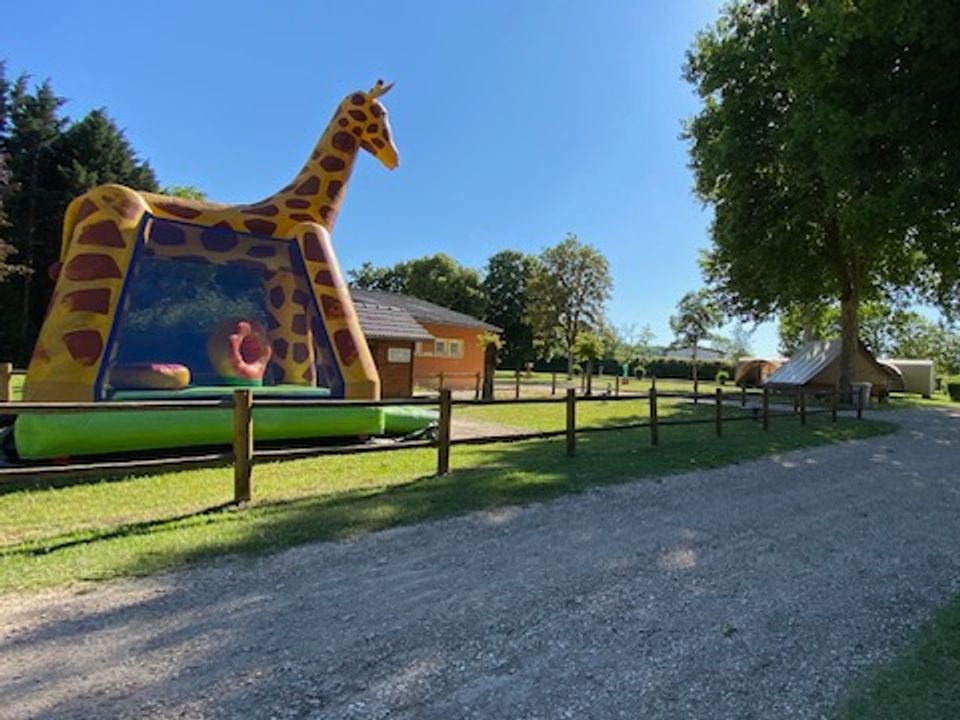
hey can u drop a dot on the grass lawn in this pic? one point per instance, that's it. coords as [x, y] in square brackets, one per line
[93, 531]
[921, 683]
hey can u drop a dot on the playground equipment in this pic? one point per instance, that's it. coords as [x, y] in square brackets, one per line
[161, 297]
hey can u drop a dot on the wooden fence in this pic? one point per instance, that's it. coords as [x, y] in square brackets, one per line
[244, 455]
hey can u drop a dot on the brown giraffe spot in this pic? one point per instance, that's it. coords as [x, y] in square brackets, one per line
[289, 187]
[84, 346]
[325, 278]
[386, 133]
[331, 163]
[109, 197]
[308, 187]
[92, 266]
[313, 248]
[272, 322]
[343, 141]
[343, 122]
[104, 234]
[376, 110]
[261, 227]
[332, 307]
[379, 143]
[372, 128]
[328, 213]
[262, 210]
[53, 272]
[358, 99]
[178, 210]
[277, 297]
[262, 251]
[368, 147]
[358, 115]
[357, 131]
[127, 208]
[299, 325]
[94, 300]
[300, 352]
[301, 217]
[297, 203]
[346, 347]
[164, 233]
[315, 154]
[220, 238]
[333, 189]
[87, 208]
[280, 348]
[300, 298]
[308, 374]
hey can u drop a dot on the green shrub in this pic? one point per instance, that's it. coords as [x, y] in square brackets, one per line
[680, 369]
[954, 391]
[722, 377]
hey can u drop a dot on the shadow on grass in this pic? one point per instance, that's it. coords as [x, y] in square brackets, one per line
[482, 478]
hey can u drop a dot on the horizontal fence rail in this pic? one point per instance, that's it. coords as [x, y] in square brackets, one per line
[753, 405]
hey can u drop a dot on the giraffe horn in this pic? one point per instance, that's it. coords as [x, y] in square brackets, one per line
[380, 89]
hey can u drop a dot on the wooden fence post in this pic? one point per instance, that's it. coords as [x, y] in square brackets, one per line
[553, 384]
[766, 408]
[743, 396]
[440, 386]
[476, 390]
[571, 422]
[242, 445]
[859, 392]
[803, 407]
[616, 386]
[654, 431]
[516, 386]
[443, 432]
[6, 382]
[719, 412]
[833, 404]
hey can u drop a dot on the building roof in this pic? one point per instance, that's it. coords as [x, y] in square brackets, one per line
[421, 310]
[686, 353]
[380, 321]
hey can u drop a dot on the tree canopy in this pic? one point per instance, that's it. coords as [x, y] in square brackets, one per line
[437, 278]
[828, 144]
[568, 292]
[506, 287]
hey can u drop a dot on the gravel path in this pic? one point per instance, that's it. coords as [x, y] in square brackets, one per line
[754, 591]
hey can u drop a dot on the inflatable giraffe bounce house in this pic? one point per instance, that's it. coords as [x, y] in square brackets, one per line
[159, 297]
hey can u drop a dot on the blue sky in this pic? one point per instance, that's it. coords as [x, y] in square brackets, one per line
[516, 121]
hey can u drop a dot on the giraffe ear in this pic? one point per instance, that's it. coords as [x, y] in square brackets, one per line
[380, 89]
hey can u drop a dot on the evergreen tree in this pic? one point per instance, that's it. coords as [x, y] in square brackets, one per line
[506, 288]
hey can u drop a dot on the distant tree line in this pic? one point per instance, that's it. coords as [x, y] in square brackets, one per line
[549, 305]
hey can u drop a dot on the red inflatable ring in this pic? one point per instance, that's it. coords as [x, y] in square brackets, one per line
[239, 351]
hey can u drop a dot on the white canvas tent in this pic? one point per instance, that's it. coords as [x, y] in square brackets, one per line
[817, 366]
[919, 376]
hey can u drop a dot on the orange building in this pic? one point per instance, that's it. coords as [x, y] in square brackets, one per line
[414, 341]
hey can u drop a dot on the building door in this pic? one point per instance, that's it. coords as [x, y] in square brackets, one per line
[394, 360]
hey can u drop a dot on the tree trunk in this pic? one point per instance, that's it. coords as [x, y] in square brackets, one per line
[590, 376]
[489, 370]
[849, 337]
[570, 365]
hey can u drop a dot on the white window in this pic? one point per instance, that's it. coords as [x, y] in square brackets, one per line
[455, 348]
[440, 348]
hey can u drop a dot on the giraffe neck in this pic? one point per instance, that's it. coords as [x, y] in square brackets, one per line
[317, 191]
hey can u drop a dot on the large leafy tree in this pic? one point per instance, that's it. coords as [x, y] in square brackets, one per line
[829, 146]
[567, 294]
[437, 278]
[506, 287]
[8, 266]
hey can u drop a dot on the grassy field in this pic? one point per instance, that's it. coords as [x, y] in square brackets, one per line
[921, 683]
[93, 531]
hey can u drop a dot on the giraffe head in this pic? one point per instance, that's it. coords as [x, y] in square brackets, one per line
[365, 117]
